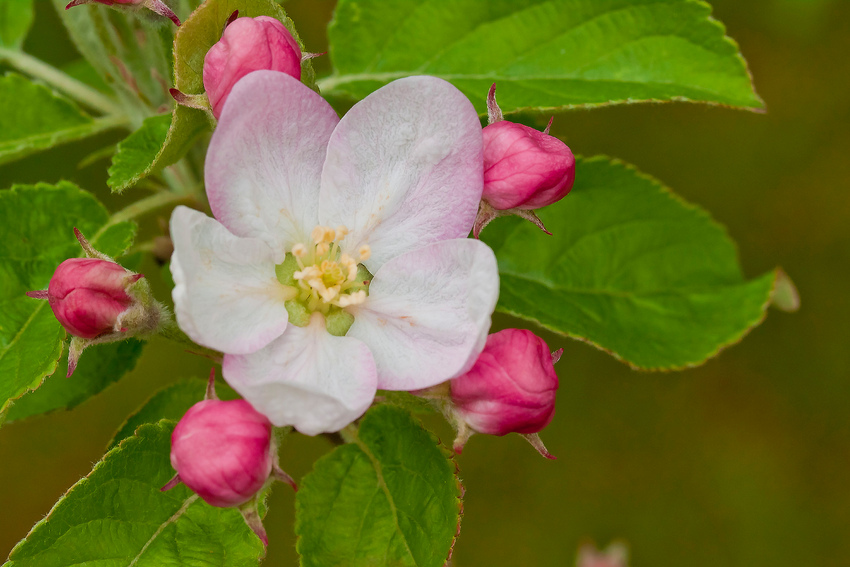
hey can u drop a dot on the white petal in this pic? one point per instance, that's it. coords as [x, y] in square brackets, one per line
[226, 295]
[265, 159]
[404, 168]
[428, 313]
[307, 378]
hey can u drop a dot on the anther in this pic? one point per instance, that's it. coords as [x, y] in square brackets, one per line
[365, 252]
[299, 250]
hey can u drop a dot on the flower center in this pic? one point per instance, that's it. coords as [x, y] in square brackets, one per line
[324, 279]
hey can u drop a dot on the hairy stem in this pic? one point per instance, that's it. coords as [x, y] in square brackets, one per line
[173, 333]
[61, 81]
[148, 205]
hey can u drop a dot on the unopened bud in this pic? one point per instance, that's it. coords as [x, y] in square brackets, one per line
[524, 168]
[225, 453]
[615, 555]
[248, 44]
[222, 451]
[89, 295]
[98, 301]
[510, 389]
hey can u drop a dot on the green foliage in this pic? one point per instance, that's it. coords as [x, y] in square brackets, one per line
[390, 497]
[15, 20]
[117, 516]
[103, 366]
[543, 54]
[170, 403]
[35, 119]
[36, 235]
[83, 71]
[406, 400]
[631, 268]
[136, 155]
[135, 70]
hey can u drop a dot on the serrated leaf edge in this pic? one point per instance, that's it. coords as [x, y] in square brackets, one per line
[331, 82]
[707, 216]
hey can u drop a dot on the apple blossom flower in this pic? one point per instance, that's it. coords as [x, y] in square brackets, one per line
[523, 169]
[98, 301]
[615, 555]
[337, 261]
[225, 453]
[156, 6]
[248, 44]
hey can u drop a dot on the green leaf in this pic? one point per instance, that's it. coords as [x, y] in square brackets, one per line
[170, 403]
[136, 155]
[104, 365]
[389, 498]
[117, 517]
[84, 72]
[36, 119]
[36, 235]
[543, 54]
[15, 20]
[407, 401]
[137, 70]
[631, 268]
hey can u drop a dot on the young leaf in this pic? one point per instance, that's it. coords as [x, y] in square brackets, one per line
[36, 235]
[117, 516]
[15, 20]
[84, 72]
[630, 268]
[389, 498]
[132, 56]
[169, 403]
[136, 155]
[543, 54]
[106, 365]
[35, 119]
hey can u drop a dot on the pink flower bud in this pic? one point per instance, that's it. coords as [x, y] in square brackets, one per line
[248, 44]
[523, 168]
[222, 450]
[510, 388]
[88, 295]
[98, 301]
[615, 555]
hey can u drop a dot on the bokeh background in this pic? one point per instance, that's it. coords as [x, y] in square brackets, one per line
[741, 462]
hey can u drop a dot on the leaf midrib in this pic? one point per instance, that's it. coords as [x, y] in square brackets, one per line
[16, 338]
[176, 516]
[383, 484]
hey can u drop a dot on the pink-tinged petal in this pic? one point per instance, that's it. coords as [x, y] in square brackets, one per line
[307, 378]
[265, 159]
[226, 295]
[404, 168]
[428, 313]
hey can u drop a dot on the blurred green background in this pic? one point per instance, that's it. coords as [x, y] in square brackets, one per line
[743, 461]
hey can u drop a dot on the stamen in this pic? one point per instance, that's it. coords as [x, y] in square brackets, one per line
[365, 252]
[326, 277]
[355, 298]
